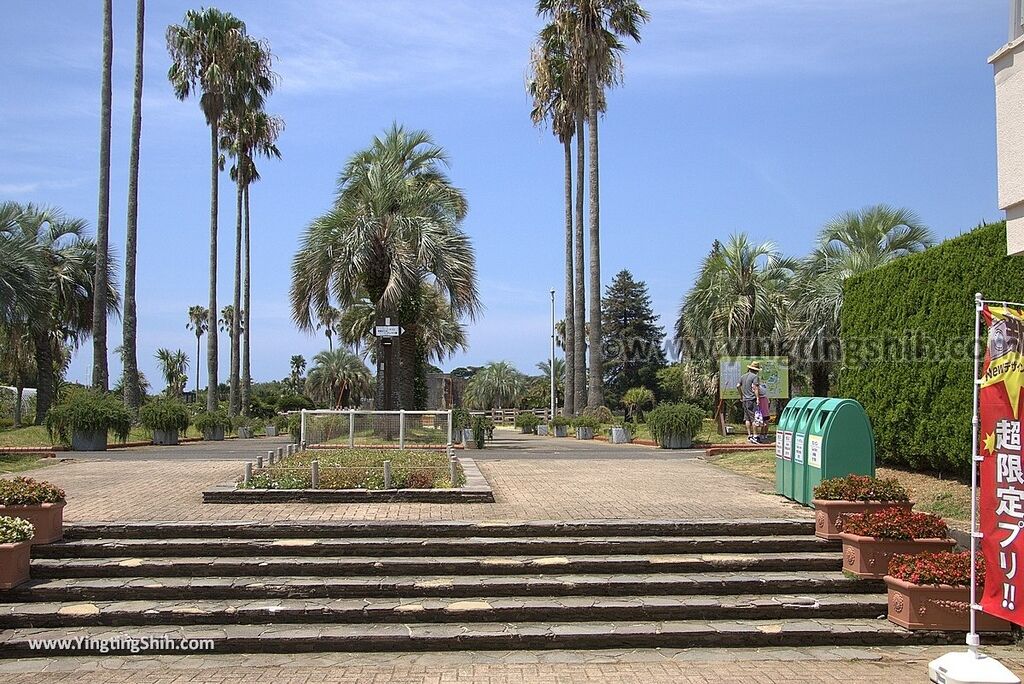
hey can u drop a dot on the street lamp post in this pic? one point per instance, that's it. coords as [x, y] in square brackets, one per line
[552, 366]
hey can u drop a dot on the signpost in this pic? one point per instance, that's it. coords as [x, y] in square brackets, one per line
[386, 333]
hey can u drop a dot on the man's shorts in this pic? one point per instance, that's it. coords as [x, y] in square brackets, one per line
[749, 406]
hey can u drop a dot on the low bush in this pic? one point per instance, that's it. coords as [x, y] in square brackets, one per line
[527, 419]
[280, 423]
[946, 567]
[211, 420]
[294, 402]
[861, 488]
[559, 421]
[667, 420]
[461, 419]
[88, 411]
[294, 424]
[165, 414]
[15, 530]
[602, 414]
[894, 523]
[586, 421]
[24, 491]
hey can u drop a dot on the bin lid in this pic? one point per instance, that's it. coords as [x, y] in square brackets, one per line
[830, 407]
[790, 412]
[809, 409]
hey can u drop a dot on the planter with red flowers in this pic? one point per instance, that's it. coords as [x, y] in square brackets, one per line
[932, 591]
[854, 494]
[41, 503]
[15, 546]
[870, 540]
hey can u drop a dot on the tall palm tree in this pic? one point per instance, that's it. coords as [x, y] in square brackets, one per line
[23, 279]
[337, 376]
[174, 366]
[210, 52]
[395, 224]
[199, 323]
[329, 319]
[555, 100]
[850, 244]
[740, 303]
[594, 29]
[247, 133]
[100, 378]
[496, 385]
[62, 275]
[545, 368]
[298, 367]
[129, 330]
[17, 362]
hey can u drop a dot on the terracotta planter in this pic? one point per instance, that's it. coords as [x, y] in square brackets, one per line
[828, 512]
[868, 557]
[47, 518]
[14, 560]
[940, 607]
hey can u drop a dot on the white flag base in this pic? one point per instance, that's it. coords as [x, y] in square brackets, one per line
[964, 667]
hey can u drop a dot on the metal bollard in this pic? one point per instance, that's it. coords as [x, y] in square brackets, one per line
[314, 474]
[259, 462]
[387, 474]
[248, 474]
[453, 470]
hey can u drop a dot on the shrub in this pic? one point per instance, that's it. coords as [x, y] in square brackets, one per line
[211, 420]
[242, 422]
[461, 419]
[586, 421]
[88, 411]
[637, 400]
[359, 468]
[481, 426]
[667, 420]
[280, 423]
[602, 414]
[861, 488]
[559, 421]
[294, 402]
[165, 414]
[920, 404]
[295, 424]
[945, 567]
[15, 530]
[894, 523]
[528, 420]
[24, 491]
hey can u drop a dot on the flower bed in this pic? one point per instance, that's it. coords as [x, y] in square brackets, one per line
[870, 540]
[841, 496]
[40, 503]
[358, 469]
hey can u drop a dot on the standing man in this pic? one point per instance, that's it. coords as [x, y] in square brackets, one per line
[749, 391]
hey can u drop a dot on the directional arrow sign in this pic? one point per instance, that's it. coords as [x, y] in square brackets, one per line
[388, 330]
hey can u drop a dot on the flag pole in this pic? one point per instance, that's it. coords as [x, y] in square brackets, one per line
[973, 640]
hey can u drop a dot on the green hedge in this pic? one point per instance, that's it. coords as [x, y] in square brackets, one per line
[919, 400]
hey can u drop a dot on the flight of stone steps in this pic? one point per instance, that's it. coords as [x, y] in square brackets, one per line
[306, 587]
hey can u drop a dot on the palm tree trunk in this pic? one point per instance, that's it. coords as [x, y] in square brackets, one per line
[820, 382]
[99, 304]
[129, 352]
[44, 372]
[408, 362]
[568, 407]
[579, 299]
[246, 316]
[595, 389]
[211, 339]
[18, 394]
[234, 400]
[199, 366]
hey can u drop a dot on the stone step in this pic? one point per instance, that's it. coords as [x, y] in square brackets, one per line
[383, 637]
[428, 546]
[374, 529]
[256, 588]
[482, 609]
[316, 566]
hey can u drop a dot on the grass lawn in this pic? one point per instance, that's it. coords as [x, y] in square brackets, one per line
[16, 463]
[35, 436]
[359, 468]
[950, 499]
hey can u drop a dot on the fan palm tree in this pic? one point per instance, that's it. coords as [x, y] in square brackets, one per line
[17, 362]
[395, 224]
[22, 277]
[174, 367]
[850, 244]
[61, 276]
[298, 367]
[336, 377]
[545, 368]
[329, 319]
[129, 329]
[199, 323]
[247, 133]
[100, 379]
[496, 385]
[210, 52]
[593, 30]
[740, 300]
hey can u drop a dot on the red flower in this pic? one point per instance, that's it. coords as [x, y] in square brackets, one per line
[945, 567]
[895, 523]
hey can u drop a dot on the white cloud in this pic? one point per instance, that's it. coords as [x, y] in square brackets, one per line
[26, 188]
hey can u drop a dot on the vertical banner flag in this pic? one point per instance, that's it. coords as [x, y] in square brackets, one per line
[1001, 480]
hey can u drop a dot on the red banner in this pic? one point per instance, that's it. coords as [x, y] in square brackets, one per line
[1001, 481]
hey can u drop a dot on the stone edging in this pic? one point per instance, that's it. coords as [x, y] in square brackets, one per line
[476, 490]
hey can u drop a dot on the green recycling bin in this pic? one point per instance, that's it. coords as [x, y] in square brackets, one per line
[784, 446]
[840, 442]
[798, 464]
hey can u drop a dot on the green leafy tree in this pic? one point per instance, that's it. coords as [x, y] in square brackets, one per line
[636, 400]
[496, 385]
[632, 337]
[337, 378]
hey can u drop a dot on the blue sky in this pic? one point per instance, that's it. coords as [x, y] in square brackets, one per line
[765, 116]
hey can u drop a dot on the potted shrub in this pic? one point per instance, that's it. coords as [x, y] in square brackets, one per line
[854, 494]
[673, 426]
[212, 424]
[620, 434]
[527, 422]
[542, 429]
[167, 418]
[295, 428]
[559, 426]
[932, 591]
[83, 420]
[15, 548]
[244, 427]
[586, 426]
[41, 503]
[870, 540]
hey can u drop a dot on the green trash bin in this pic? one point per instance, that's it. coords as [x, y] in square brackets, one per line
[784, 446]
[798, 465]
[840, 442]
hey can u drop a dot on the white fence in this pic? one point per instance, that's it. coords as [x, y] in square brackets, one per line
[378, 429]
